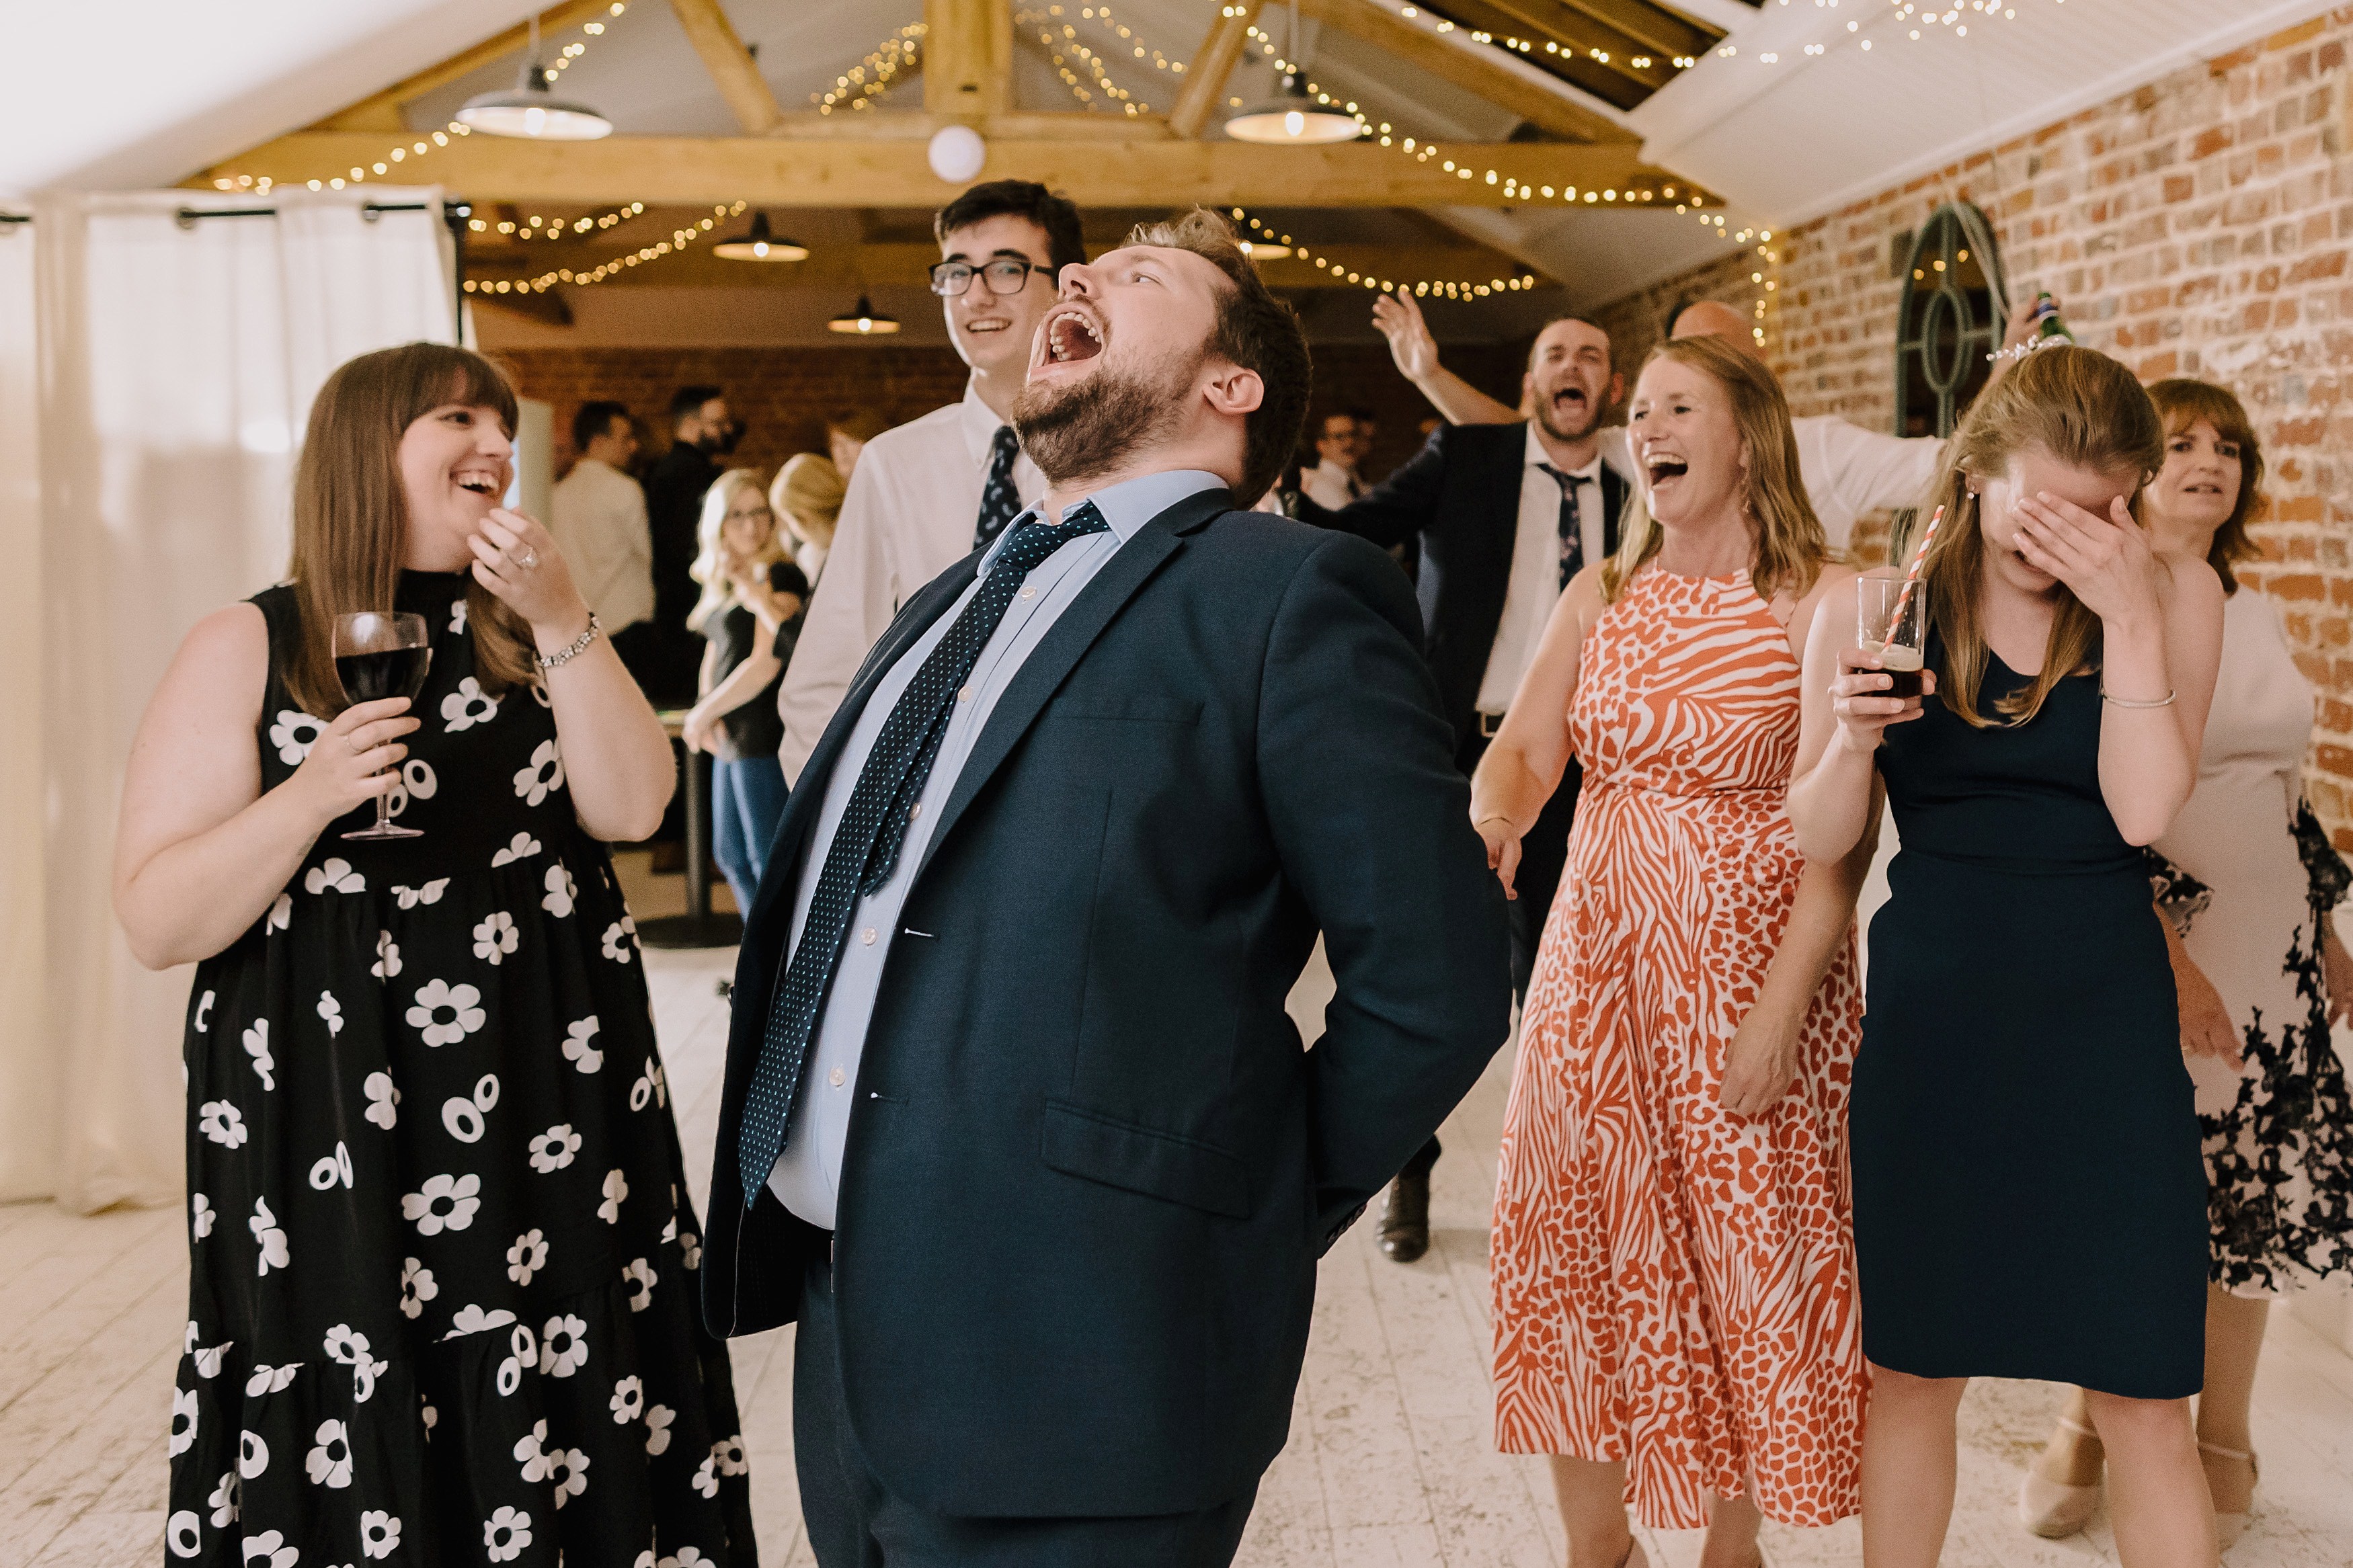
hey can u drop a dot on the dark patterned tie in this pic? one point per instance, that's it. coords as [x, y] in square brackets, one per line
[1001, 503]
[866, 843]
[1572, 526]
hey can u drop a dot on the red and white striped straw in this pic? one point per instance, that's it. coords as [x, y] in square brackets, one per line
[1911, 575]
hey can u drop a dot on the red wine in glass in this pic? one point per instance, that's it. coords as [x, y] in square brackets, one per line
[378, 655]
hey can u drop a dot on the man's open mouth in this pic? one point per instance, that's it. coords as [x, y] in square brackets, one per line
[1070, 336]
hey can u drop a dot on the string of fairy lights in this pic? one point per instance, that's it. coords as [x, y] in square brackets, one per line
[884, 64]
[1425, 288]
[419, 145]
[1921, 19]
[679, 240]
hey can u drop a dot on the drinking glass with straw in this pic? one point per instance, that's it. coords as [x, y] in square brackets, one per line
[1891, 618]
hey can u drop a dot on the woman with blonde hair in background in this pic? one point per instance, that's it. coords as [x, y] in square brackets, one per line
[2029, 1200]
[806, 496]
[1674, 1279]
[442, 1263]
[750, 590]
[2245, 878]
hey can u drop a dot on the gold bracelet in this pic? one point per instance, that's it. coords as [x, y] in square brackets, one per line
[2164, 701]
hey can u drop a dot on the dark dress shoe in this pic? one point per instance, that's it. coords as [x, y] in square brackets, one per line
[1404, 1218]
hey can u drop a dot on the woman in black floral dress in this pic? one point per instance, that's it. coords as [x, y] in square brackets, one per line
[442, 1298]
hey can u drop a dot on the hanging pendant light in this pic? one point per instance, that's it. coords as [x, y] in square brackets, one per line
[531, 110]
[760, 245]
[1291, 116]
[863, 320]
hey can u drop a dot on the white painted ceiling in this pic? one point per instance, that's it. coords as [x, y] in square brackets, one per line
[141, 92]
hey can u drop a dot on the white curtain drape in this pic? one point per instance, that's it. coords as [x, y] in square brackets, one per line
[177, 359]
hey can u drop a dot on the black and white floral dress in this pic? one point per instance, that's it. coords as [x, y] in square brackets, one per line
[2247, 877]
[442, 1300]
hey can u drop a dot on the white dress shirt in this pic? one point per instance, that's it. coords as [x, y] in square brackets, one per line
[913, 507]
[1848, 472]
[807, 1176]
[1534, 586]
[597, 516]
[1330, 485]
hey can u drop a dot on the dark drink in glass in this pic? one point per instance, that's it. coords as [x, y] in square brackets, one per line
[1903, 667]
[387, 672]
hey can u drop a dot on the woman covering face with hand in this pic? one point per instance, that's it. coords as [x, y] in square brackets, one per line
[2245, 878]
[2027, 1197]
[441, 1261]
[1674, 1277]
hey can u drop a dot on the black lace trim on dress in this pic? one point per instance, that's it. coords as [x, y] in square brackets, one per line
[2323, 866]
[2181, 897]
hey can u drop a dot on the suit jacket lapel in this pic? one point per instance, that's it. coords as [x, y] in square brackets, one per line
[807, 800]
[1613, 506]
[1042, 673]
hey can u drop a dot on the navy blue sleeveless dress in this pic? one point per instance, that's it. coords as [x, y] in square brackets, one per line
[442, 1298]
[2029, 1196]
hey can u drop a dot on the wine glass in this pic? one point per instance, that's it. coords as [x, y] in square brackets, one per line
[381, 654]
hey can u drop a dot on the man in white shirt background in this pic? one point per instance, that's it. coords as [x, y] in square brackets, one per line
[598, 514]
[927, 494]
[1341, 445]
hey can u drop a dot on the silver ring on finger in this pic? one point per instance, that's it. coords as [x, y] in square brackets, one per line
[524, 556]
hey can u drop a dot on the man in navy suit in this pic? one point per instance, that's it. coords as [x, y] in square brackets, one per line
[1015, 1125]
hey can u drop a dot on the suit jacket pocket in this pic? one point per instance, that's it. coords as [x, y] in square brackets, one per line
[1164, 1165]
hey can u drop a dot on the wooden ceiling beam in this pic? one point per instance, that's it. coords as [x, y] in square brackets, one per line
[1579, 35]
[913, 125]
[1655, 27]
[381, 110]
[1212, 64]
[1455, 60]
[732, 70]
[906, 265]
[1107, 171]
[968, 58]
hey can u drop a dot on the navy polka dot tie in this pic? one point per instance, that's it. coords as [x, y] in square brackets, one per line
[866, 843]
[1001, 503]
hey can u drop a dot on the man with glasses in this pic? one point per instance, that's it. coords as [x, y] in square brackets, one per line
[927, 494]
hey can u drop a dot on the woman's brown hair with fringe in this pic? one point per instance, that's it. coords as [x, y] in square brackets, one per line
[351, 513]
[2081, 408]
[2181, 403]
[1791, 548]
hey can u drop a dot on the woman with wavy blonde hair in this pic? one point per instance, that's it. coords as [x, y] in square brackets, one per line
[2028, 1198]
[1673, 1280]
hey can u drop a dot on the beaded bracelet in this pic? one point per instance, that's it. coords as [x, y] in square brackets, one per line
[580, 646]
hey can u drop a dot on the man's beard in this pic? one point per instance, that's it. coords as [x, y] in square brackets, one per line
[1560, 433]
[1093, 427]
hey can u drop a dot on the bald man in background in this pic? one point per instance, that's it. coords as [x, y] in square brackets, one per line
[1848, 472]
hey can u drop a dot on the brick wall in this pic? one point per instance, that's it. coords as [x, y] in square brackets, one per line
[2196, 226]
[783, 394]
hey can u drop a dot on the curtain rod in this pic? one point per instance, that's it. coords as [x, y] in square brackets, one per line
[187, 218]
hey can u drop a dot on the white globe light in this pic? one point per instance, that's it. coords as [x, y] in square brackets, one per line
[957, 152]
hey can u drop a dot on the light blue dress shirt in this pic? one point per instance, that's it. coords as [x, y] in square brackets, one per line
[807, 1176]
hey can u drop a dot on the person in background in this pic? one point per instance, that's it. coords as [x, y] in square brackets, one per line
[1847, 470]
[846, 435]
[1332, 482]
[442, 1262]
[930, 492]
[598, 514]
[2028, 1198]
[1673, 1264]
[751, 592]
[1368, 432]
[2246, 880]
[806, 499]
[700, 430]
[1502, 517]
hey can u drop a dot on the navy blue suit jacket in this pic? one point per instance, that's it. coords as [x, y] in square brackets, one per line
[1091, 1168]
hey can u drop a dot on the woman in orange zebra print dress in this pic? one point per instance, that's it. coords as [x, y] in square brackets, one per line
[1674, 1265]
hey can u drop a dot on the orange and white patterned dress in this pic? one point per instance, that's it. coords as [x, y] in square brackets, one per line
[1674, 1285]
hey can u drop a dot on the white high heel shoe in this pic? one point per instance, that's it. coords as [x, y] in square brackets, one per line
[2053, 1509]
[2229, 1527]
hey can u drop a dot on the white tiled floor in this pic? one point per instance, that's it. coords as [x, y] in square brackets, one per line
[1390, 1460]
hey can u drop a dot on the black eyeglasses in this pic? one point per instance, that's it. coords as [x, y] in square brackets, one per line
[1006, 275]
